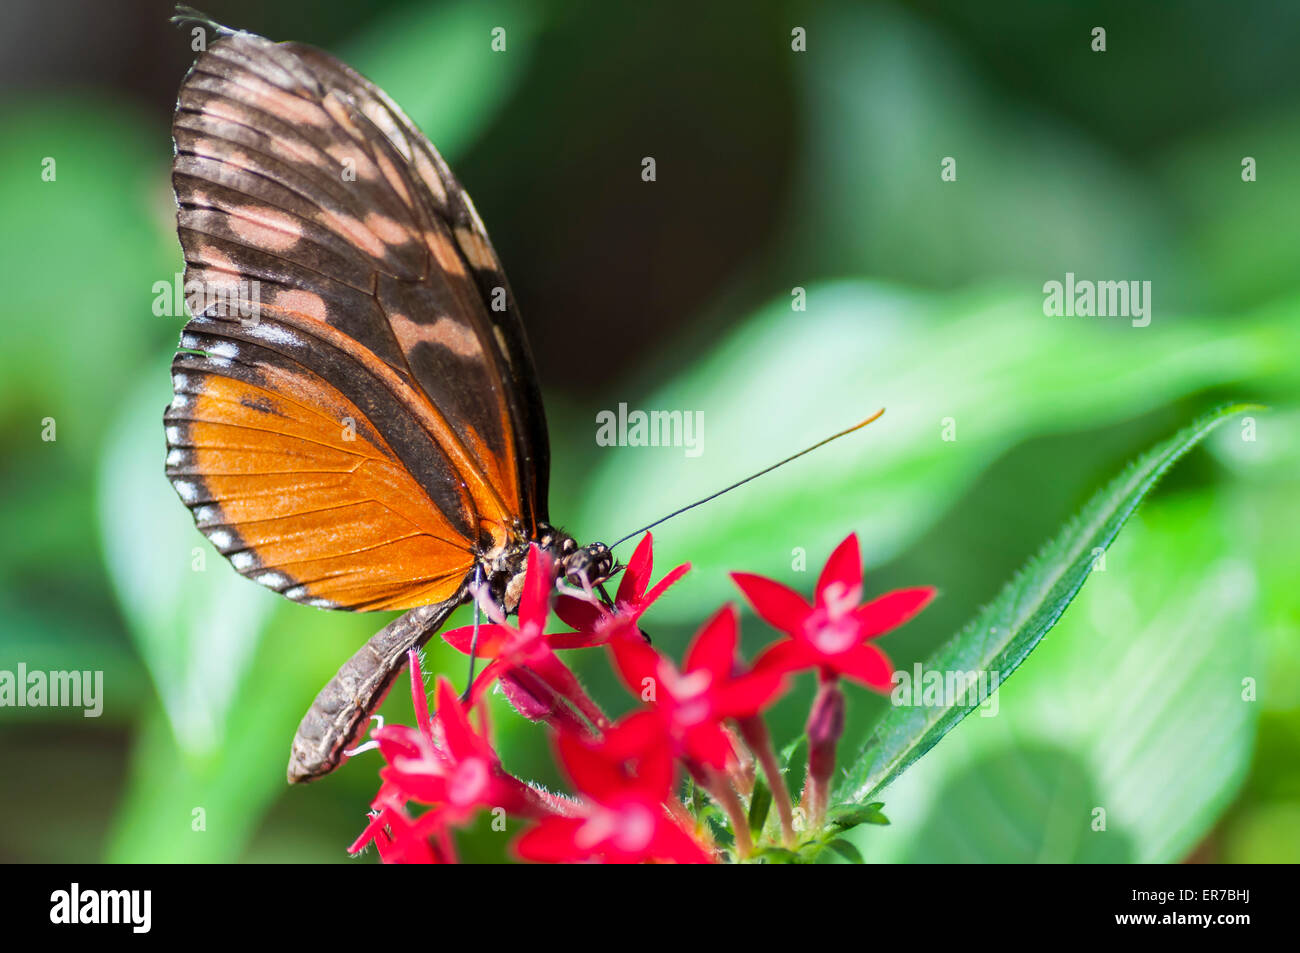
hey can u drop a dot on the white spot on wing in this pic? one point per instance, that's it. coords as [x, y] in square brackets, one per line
[272, 334]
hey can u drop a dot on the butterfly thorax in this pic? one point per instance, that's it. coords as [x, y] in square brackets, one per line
[580, 566]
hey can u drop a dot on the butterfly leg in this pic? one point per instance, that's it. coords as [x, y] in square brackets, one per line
[473, 642]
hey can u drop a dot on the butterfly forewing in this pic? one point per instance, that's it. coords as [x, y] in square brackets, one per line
[452, 205]
[375, 422]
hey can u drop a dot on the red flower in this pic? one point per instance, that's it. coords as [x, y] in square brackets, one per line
[631, 600]
[403, 840]
[523, 656]
[624, 782]
[831, 635]
[443, 763]
[447, 764]
[694, 702]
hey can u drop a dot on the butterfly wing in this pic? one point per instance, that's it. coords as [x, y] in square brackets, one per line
[494, 308]
[352, 419]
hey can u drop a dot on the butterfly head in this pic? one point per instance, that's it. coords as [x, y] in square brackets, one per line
[582, 567]
[586, 566]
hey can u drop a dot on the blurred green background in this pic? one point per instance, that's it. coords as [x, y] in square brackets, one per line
[776, 170]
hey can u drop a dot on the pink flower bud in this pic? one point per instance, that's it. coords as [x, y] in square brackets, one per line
[825, 726]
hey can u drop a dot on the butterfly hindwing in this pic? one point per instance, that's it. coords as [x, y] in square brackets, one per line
[374, 422]
[290, 479]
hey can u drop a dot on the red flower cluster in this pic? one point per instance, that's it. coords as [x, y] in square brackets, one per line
[627, 807]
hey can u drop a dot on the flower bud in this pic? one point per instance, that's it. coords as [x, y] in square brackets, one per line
[825, 726]
[537, 701]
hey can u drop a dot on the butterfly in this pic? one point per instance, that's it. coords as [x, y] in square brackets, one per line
[356, 421]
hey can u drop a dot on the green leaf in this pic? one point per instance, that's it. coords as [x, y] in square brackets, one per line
[846, 850]
[794, 762]
[792, 755]
[776, 855]
[1008, 629]
[760, 802]
[847, 816]
[1140, 689]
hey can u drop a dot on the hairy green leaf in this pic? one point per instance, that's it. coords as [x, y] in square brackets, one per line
[999, 638]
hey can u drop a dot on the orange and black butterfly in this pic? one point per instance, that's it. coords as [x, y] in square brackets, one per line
[356, 422]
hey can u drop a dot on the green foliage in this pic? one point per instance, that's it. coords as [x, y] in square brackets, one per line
[988, 365]
[438, 64]
[760, 803]
[1130, 729]
[870, 198]
[922, 296]
[999, 638]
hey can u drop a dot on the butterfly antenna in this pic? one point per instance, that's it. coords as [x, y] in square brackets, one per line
[187, 14]
[752, 476]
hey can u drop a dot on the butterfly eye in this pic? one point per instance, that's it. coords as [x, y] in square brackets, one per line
[598, 561]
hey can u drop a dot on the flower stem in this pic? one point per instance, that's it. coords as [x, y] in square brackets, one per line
[760, 742]
[552, 803]
[742, 773]
[720, 789]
